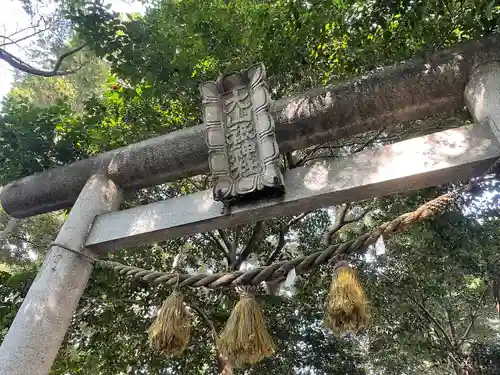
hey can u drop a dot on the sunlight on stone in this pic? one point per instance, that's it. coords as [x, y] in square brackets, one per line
[451, 144]
[33, 311]
[316, 178]
[479, 104]
[206, 201]
[144, 223]
[397, 162]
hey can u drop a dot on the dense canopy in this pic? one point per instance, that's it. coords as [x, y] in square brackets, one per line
[116, 79]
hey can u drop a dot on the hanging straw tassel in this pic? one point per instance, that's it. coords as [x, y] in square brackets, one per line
[170, 332]
[245, 338]
[347, 309]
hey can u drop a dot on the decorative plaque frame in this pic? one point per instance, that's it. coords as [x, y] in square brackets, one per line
[243, 154]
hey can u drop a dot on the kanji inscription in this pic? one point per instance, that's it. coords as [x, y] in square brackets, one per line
[243, 152]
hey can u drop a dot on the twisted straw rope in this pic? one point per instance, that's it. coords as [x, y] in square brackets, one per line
[278, 270]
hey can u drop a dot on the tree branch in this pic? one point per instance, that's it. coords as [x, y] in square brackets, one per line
[225, 240]
[341, 222]
[473, 317]
[206, 319]
[205, 181]
[310, 153]
[219, 244]
[12, 41]
[296, 220]
[279, 246]
[435, 325]
[23, 239]
[369, 142]
[453, 332]
[67, 54]
[24, 67]
[233, 249]
[25, 28]
[223, 364]
[281, 237]
[433, 320]
[289, 162]
[255, 238]
[197, 187]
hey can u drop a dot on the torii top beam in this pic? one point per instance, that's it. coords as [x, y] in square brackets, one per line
[405, 92]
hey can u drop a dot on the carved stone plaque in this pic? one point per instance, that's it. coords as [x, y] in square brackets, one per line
[243, 153]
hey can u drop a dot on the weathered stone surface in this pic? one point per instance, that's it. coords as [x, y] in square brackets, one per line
[33, 340]
[482, 95]
[243, 154]
[430, 160]
[405, 92]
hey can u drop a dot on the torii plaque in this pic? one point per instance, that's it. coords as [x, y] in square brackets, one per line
[243, 154]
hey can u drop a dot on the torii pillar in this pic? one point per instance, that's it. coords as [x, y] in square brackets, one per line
[33, 340]
[482, 95]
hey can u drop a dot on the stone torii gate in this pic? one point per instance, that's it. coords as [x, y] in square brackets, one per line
[467, 75]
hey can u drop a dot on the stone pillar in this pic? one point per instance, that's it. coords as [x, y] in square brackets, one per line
[482, 95]
[33, 340]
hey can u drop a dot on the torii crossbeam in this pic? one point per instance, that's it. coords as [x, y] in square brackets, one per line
[412, 91]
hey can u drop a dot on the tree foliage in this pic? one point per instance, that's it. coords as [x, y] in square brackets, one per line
[432, 310]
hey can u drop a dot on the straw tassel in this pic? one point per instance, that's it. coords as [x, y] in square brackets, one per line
[170, 332]
[245, 339]
[347, 306]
